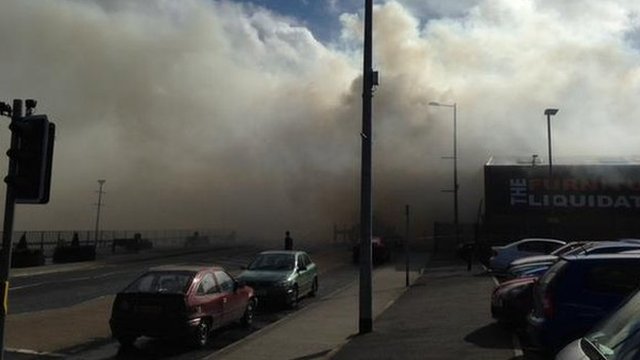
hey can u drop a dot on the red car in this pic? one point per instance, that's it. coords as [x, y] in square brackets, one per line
[512, 300]
[380, 252]
[183, 302]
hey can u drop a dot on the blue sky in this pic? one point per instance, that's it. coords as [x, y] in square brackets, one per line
[320, 16]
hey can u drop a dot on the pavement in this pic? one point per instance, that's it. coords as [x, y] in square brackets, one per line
[444, 314]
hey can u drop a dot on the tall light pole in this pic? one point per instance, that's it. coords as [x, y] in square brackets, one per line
[549, 113]
[455, 165]
[369, 79]
[100, 192]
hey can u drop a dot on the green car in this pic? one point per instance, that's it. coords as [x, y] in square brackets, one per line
[282, 276]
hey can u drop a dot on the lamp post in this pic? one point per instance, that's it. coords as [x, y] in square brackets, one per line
[455, 164]
[100, 192]
[549, 113]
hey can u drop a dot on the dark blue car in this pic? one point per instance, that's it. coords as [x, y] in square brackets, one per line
[577, 292]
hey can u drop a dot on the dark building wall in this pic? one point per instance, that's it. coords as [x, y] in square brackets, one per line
[576, 202]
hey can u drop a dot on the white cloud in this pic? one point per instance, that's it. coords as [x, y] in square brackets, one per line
[202, 113]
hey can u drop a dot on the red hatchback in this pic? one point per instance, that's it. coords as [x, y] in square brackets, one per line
[183, 302]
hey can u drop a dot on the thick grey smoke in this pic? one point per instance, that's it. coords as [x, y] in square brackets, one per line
[214, 114]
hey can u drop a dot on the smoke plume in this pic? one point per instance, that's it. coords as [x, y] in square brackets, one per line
[219, 114]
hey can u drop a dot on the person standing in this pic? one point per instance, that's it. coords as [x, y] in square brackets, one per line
[288, 241]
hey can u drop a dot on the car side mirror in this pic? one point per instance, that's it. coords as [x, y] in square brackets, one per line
[302, 268]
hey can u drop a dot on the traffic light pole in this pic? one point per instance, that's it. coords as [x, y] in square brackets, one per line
[7, 230]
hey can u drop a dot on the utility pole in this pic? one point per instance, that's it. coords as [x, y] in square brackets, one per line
[100, 192]
[369, 79]
[7, 228]
[406, 248]
[456, 186]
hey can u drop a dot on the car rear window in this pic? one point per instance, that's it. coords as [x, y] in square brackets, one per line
[621, 278]
[273, 262]
[172, 282]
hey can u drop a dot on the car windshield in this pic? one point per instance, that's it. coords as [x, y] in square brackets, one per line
[274, 262]
[174, 282]
[619, 336]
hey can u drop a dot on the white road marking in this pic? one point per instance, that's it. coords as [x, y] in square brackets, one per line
[36, 353]
[67, 280]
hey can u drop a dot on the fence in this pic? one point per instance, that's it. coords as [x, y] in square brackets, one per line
[48, 240]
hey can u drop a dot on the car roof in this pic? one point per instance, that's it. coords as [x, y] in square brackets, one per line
[594, 257]
[284, 252]
[190, 268]
[541, 239]
[610, 243]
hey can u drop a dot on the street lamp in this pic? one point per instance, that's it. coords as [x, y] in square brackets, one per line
[549, 113]
[100, 192]
[455, 164]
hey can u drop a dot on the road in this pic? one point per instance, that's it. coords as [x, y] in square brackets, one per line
[65, 314]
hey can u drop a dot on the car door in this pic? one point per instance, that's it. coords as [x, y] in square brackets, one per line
[208, 300]
[233, 302]
[304, 280]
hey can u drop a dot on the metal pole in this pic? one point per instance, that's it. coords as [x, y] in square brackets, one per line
[549, 140]
[366, 286]
[101, 183]
[7, 230]
[455, 173]
[406, 248]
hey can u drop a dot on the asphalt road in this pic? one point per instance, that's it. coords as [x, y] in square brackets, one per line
[64, 289]
[71, 289]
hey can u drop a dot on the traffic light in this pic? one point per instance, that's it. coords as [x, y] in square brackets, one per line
[33, 155]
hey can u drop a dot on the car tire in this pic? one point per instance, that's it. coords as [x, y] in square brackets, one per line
[201, 334]
[314, 288]
[247, 318]
[292, 302]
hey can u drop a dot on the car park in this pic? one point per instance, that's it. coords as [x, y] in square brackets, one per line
[595, 247]
[577, 292]
[185, 302]
[504, 255]
[380, 252]
[566, 248]
[616, 338]
[282, 276]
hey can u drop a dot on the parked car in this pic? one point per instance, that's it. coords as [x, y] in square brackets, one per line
[616, 338]
[380, 252]
[282, 276]
[553, 256]
[180, 302]
[577, 292]
[504, 255]
[511, 301]
[595, 247]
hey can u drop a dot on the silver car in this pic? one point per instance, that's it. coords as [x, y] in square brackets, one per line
[617, 338]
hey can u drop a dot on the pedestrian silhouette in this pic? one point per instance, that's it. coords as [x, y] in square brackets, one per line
[288, 241]
[75, 241]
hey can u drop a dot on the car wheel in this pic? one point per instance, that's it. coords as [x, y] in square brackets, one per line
[247, 318]
[293, 299]
[314, 288]
[127, 341]
[201, 334]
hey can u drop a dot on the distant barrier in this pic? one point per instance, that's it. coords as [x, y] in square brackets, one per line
[46, 242]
